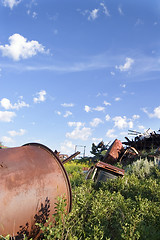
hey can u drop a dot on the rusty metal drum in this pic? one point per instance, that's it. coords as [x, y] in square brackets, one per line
[31, 179]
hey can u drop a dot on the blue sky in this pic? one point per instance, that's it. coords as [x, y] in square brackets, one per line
[76, 72]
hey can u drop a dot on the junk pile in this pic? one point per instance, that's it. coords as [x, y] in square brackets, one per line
[33, 176]
[109, 156]
[104, 169]
[146, 141]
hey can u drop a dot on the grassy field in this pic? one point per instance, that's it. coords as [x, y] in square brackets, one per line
[124, 208]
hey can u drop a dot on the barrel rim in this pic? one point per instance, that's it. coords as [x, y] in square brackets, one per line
[59, 161]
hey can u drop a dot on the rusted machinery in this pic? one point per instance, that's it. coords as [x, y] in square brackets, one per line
[103, 171]
[31, 179]
[71, 157]
[113, 152]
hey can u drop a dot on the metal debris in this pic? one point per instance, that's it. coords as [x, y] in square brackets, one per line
[31, 177]
[103, 171]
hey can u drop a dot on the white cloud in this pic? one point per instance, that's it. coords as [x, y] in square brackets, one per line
[93, 14]
[99, 108]
[87, 108]
[67, 147]
[117, 99]
[58, 113]
[155, 114]
[135, 117]
[123, 133]
[5, 103]
[75, 124]
[97, 140]
[122, 122]
[112, 73]
[67, 114]
[107, 103]
[110, 133]
[107, 117]
[105, 10]
[20, 48]
[123, 85]
[10, 3]
[67, 104]
[120, 11]
[13, 133]
[6, 139]
[127, 65]
[141, 127]
[80, 132]
[41, 97]
[34, 15]
[6, 116]
[95, 122]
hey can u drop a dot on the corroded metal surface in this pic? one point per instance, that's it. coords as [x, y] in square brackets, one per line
[109, 168]
[113, 152]
[31, 179]
[71, 157]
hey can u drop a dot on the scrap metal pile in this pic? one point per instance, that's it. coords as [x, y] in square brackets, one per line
[33, 176]
[146, 141]
[116, 153]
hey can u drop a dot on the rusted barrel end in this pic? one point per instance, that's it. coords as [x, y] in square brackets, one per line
[32, 177]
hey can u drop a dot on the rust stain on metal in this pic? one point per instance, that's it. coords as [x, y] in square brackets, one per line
[71, 157]
[110, 168]
[30, 184]
[113, 152]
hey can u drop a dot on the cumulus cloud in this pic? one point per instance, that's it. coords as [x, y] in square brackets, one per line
[75, 124]
[107, 103]
[107, 117]
[34, 15]
[67, 114]
[117, 99]
[93, 14]
[105, 10]
[6, 116]
[127, 65]
[19, 48]
[99, 109]
[58, 113]
[95, 122]
[67, 147]
[87, 108]
[112, 73]
[123, 133]
[80, 132]
[10, 3]
[40, 97]
[67, 104]
[6, 139]
[122, 122]
[135, 117]
[155, 114]
[5, 103]
[13, 133]
[141, 127]
[97, 140]
[123, 85]
[110, 133]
